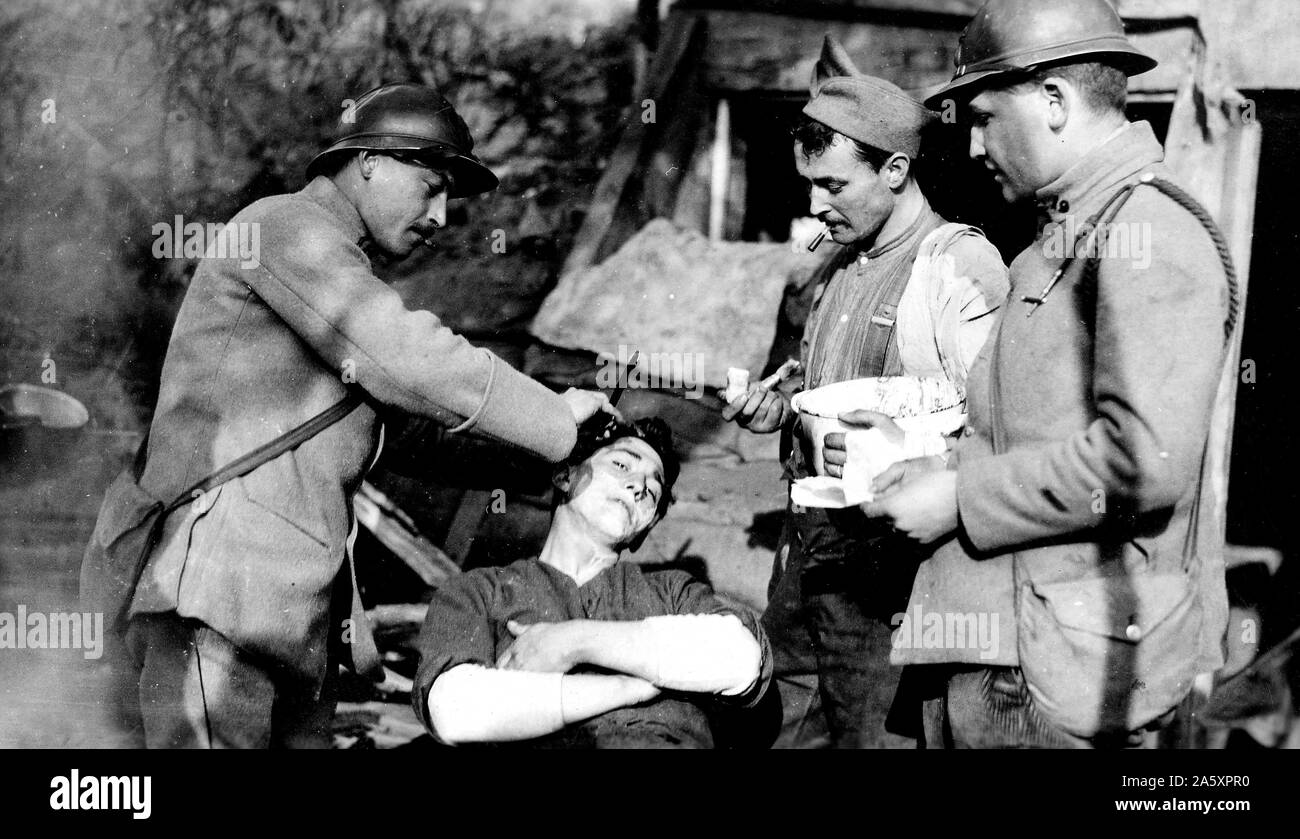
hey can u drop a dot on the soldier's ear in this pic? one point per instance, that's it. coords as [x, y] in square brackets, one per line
[1058, 95]
[367, 162]
[896, 169]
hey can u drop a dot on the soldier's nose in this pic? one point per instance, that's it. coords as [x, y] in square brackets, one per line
[817, 204]
[977, 150]
[437, 214]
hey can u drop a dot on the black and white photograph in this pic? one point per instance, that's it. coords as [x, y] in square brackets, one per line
[450, 376]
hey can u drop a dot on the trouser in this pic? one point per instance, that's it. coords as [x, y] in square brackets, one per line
[835, 576]
[198, 690]
[991, 708]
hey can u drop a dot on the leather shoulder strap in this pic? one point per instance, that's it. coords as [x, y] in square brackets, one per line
[291, 439]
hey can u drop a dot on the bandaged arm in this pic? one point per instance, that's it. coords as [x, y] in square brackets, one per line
[475, 704]
[698, 653]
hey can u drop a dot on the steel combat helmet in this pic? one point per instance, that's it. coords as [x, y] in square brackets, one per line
[1017, 36]
[418, 121]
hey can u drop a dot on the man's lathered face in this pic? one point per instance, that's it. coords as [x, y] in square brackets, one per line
[617, 489]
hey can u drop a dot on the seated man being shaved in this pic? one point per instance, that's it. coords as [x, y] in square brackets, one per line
[577, 649]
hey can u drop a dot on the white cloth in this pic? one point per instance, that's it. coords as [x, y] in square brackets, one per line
[869, 452]
[703, 653]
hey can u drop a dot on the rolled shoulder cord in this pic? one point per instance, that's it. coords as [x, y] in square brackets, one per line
[696, 653]
[1097, 226]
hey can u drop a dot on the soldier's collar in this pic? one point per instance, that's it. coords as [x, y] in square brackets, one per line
[1131, 149]
[323, 191]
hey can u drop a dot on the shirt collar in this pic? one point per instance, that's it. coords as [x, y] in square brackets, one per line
[1126, 153]
[616, 566]
[880, 250]
[323, 191]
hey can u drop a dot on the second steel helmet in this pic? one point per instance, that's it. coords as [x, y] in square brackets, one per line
[1016, 36]
[418, 121]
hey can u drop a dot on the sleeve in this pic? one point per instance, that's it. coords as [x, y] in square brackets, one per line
[322, 286]
[971, 285]
[457, 630]
[683, 594]
[419, 447]
[1157, 358]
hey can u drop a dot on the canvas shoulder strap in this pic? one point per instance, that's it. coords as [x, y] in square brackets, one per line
[881, 347]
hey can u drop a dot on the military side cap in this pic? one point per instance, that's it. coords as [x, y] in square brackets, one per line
[868, 109]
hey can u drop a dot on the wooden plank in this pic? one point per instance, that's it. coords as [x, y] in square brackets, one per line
[621, 173]
[737, 187]
[691, 207]
[465, 524]
[719, 170]
[670, 156]
[396, 531]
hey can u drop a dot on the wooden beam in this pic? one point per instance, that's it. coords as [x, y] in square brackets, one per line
[635, 145]
[691, 203]
[396, 531]
[720, 171]
[464, 526]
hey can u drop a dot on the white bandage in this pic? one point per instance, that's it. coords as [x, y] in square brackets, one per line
[703, 653]
[470, 704]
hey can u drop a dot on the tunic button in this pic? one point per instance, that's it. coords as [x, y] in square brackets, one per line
[969, 432]
[1133, 632]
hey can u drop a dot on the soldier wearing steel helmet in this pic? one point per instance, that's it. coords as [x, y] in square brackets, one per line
[248, 601]
[1073, 512]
